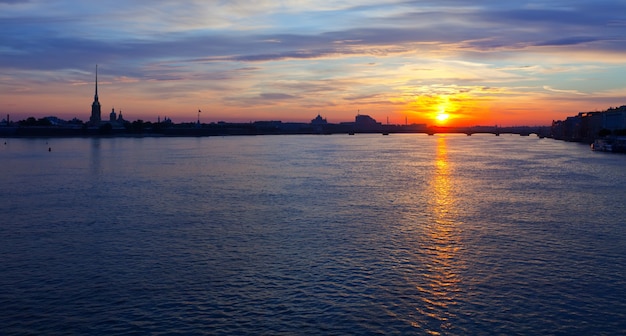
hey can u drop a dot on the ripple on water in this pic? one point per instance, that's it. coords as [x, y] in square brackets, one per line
[313, 235]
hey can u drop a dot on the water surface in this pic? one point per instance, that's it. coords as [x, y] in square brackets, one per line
[364, 234]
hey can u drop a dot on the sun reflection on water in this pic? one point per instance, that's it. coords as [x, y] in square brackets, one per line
[440, 284]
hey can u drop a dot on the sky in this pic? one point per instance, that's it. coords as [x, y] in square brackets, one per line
[438, 62]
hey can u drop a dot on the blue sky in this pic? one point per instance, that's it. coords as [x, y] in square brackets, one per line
[480, 62]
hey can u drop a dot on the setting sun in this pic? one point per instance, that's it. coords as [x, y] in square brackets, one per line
[442, 117]
[450, 107]
[439, 109]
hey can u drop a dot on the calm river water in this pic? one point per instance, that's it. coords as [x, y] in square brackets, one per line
[332, 235]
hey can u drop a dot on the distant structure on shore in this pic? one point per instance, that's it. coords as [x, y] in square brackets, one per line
[116, 121]
[365, 122]
[587, 126]
[96, 112]
[319, 120]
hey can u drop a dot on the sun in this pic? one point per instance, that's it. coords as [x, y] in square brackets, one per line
[439, 110]
[442, 117]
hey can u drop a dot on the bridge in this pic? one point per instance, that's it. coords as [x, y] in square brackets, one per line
[540, 131]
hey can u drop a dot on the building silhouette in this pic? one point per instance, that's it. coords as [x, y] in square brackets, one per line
[588, 126]
[116, 119]
[319, 120]
[96, 112]
[365, 121]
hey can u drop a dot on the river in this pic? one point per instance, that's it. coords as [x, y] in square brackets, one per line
[303, 234]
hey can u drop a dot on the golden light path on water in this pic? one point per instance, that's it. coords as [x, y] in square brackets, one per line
[441, 274]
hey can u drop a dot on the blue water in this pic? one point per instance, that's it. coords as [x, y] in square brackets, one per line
[355, 235]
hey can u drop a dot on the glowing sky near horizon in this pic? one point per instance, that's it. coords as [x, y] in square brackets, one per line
[482, 62]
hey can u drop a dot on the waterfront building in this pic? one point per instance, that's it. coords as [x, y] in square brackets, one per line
[362, 123]
[366, 123]
[166, 121]
[615, 118]
[319, 120]
[587, 126]
[364, 120]
[116, 119]
[319, 124]
[590, 125]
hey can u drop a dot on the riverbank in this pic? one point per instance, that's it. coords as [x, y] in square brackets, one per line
[255, 128]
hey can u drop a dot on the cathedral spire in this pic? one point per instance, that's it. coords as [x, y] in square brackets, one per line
[95, 106]
[95, 97]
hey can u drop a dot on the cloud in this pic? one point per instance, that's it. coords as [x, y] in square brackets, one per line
[276, 96]
[573, 92]
[574, 40]
[425, 26]
[363, 97]
[308, 53]
[259, 100]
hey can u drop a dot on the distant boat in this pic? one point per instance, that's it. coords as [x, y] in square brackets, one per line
[602, 145]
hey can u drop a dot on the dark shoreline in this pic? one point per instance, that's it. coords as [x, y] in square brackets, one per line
[253, 129]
